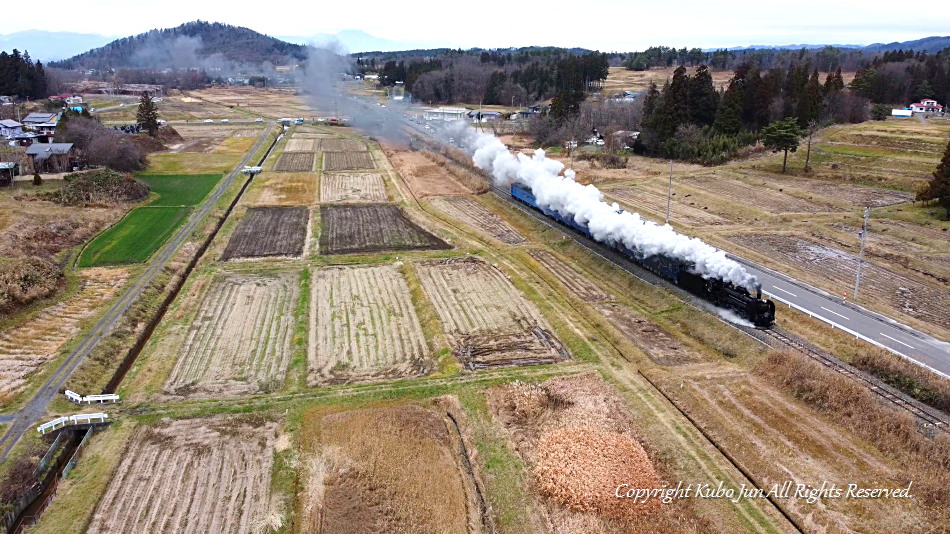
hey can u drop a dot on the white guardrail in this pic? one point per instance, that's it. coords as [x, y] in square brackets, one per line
[78, 419]
[107, 398]
[852, 332]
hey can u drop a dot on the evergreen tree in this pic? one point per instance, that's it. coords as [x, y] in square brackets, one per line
[729, 114]
[147, 114]
[809, 101]
[783, 135]
[938, 188]
[702, 98]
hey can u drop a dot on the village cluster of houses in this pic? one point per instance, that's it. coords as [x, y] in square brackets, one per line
[35, 133]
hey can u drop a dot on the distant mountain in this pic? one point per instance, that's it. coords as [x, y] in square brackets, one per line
[360, 41]
[927, 44]
[194, 44]
[49, 46]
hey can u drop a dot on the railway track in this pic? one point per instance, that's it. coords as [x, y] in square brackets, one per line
[930, 420]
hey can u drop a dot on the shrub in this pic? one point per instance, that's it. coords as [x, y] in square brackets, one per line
[101, 186]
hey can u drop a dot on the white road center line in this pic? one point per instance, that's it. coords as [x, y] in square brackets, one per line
[834, 312]
[897, 340]
[783, 291]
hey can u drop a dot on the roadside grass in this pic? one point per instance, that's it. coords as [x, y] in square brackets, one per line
[181, 189]
[135, 237]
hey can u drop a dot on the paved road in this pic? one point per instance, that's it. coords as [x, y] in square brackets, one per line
[872, 327]
[24, 420]
[865, 324]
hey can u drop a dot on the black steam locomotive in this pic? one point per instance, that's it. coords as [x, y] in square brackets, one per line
[755, 309]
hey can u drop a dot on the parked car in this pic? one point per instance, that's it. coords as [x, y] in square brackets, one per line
[225, 120]
[258, 120]
[209, 120]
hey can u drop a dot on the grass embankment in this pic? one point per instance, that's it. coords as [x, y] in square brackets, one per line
[144, 229]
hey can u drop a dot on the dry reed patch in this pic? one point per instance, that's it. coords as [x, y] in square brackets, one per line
[341, 145]
[295, 162]
[349, 229]
[196, 475]
[575, 282]
[287, 189]
[577, 436]
[349, 187]
[26, 347]
[364, 326]
[391, 469]
[474, 214]
[269, 231]
[490, 323]
[240, 341]
[347, 161]
[919, 299]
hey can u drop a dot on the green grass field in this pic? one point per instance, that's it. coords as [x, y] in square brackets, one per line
[180, 189]
[135, 237]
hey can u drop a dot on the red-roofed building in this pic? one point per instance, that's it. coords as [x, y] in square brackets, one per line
[926, 105]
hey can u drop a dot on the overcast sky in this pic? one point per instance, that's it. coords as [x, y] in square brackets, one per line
[621, 25]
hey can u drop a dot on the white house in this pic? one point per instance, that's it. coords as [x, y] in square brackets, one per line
[444, 114]
[9, 128]
[927, 105]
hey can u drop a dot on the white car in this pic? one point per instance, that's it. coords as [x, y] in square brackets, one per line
[258, 120]
[209, 120]
[225, 120]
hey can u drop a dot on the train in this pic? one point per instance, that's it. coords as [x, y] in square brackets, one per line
[751, 307]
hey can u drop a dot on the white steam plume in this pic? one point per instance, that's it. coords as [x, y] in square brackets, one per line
[559, 192]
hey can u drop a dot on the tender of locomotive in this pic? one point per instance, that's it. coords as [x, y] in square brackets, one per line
[755, 309]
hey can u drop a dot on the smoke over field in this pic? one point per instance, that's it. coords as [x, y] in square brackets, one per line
[555, 188]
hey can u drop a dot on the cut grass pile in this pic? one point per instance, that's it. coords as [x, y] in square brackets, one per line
[135, 237]
[180, 189]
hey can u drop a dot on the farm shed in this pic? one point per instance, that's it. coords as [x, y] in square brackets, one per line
[50, 157]
[7, 170]
[444, 114]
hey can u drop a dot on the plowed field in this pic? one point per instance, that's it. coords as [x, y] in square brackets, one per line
[341, 145]
[194, 475]
[25, 348]
[302, 145]
[653, 340]
[267, 232]
[352, 188]
[371, 228]
[575, 281]
[474, 214]
[489, 321]
[240, 340]
[347, 161]
[364, 326]
[295, 162]
[910, 296]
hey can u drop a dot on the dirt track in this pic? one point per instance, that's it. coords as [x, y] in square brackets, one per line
[194, 475]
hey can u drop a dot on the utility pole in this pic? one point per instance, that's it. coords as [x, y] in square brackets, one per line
[864, 238]
[669, 194]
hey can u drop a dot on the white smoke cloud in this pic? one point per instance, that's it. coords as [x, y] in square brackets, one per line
[555, 188]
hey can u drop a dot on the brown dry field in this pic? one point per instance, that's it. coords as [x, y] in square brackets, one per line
[269, 231]
[295, 144]
[642, 199]
[621, 79]
[26, 347]
[287, 189]
[777, 439]
[239, 341]
[348, 161]
[295, 162]
[250, 101]
[489, 322]
[192, 475]
[577, 283]
[393, 469]
[472, 213]
[903, 294]
[351, 187]
[364, 326]
[658, 344]
[341, 145]
[424, 177]
[580, 441]
[350, 229]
